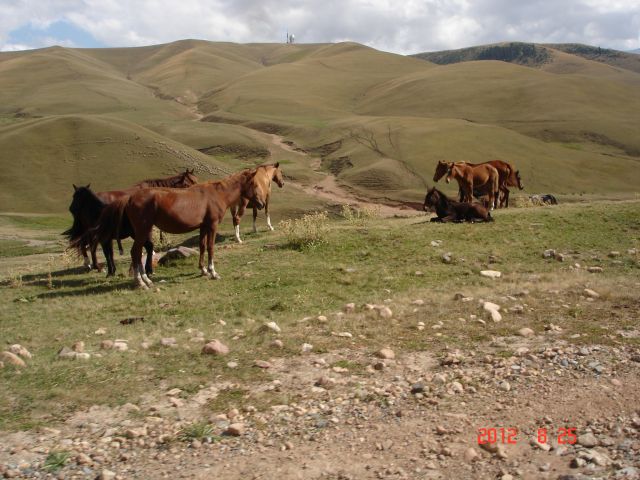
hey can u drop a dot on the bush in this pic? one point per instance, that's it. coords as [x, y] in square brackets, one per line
[306, 232]
[359, 215]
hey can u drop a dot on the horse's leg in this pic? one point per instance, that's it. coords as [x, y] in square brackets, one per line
[148, 266]
[136, 261]
[505, 198]
[255, 216]
[204, 232]
[85, 257]
[237, 212]
[94, 259]
[107, 249]
[211, 240]
[120, 249]
[266, 212]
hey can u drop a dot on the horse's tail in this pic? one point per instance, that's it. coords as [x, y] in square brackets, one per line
[76, 236]
[109, 224]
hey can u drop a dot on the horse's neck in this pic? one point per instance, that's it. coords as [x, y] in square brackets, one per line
[231, 189]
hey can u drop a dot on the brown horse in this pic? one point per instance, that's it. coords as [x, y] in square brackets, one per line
[180, 211]
[509, 177]
[273, 172]
[448, 210]
[86, 216]
[482, 176]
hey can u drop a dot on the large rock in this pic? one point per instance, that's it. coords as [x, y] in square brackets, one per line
[215, 347]
[177, 254]
[13, 359]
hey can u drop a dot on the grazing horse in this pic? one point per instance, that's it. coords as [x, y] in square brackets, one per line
[86, 206]
[448, 210]
[180, 211]
[274, 173]
[78, 233]
[483, 176]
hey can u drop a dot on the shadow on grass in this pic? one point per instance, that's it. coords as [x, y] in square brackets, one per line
[94, 289]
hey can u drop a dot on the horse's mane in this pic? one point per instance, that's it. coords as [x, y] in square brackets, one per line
[170, 182]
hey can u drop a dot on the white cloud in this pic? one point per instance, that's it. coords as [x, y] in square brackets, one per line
[405, 27]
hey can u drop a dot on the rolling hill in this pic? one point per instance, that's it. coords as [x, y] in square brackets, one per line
[566, 115]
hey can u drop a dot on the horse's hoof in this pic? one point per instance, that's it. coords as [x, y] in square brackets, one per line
[215, 276]
[141, 286]
[271, 228]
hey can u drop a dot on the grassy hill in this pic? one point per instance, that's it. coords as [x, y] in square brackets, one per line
[376, 120]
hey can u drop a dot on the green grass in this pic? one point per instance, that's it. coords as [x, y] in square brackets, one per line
[265, 280]
[56, 460]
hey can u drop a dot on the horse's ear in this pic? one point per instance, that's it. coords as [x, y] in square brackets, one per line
[277, 165]
[75, 189]
[88, 185]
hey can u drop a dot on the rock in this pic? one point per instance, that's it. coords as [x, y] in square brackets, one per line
[343, 334]
[235, 429]
[613, 254]
[417, 388]
[591, 293]
[577, 463]
[83, 356]
[120, 346]
[419, 302]
[386, 354]
[106, 344]
[457, 387]
[588, 440]
[495, 448]
[176, 254]
[168, 342]
[83, 459]
[385, 312]
[447, 257]
[100, 331]
[440, 378]
[491, 273]
[560, 257]
[19, 350]
[232, 364]
[349, 308]
[106, 475]
[526, 332]
[66, 352]
[215, 347]
[595, 269]
[277, 343]
[471, 455]
[436, 243]
[13, 359]
[136, 432]
[322, 319]
[273, 326]
[550, 253]
[78, 347]
[325, 382]
[594, 456]
[262, 364]
[504, 386]
[306, 348]
[492, 308]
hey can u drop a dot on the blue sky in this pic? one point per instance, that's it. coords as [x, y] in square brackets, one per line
[407, 26]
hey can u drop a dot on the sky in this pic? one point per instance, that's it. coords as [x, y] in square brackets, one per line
[400, 26]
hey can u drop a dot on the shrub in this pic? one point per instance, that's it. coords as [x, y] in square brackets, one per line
[357, 215]
[307, 231]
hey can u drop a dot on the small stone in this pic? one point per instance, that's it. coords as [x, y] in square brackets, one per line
[277, 343]
[78, 347]
[262, 364]
[417, 388]
[83, 459]
[385, 312]
[322, 319]
[577, 463]
[19, 350]
[168, 342]
[591, 293]
[504, 386]
[119, 345]
[447, 257]
[235, 429]
[595, 269]
[215, 347]
[83, 356]
[349, 308]
[386, 354]
[471, 455]
[560, 257]
[419, 302]
[106, 475]
[613, 254]
[273, 326]
[232, 364]
[526, 332]
[106, 344]
[65, 352]
[306, 348]
[100, 331]
[491, 273]
[457, 387]
[588, 440]
[550, 253]
[13, 359]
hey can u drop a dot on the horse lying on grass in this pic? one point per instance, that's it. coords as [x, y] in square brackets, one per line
[448, 210]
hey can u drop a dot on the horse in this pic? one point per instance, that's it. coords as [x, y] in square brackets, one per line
[173, 210]
[482, 176]
[77, 234]
[86, 206]
[448, 210]
[508, 177]
[237, 211]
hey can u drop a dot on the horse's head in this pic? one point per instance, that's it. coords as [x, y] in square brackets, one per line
[431, 199]
[441, 169]
[187, 178]
[277, 175]
[519, 180]
[81, 197]
[451, 169]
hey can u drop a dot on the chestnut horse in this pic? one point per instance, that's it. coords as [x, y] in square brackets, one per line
[509, 177]
[470, 177]
[448, 210]
[274, 173]
[86, 216]
[180, 211]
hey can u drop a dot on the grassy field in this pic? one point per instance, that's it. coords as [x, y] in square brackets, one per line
[48, 304]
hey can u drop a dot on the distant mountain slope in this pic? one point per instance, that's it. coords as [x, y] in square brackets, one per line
[520, 53]
[615, 58]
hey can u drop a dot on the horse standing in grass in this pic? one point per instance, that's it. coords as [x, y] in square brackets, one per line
[508, 177]
[274, 173]
[86, 217]
[482, 176]
[448, 210]
[180, 211]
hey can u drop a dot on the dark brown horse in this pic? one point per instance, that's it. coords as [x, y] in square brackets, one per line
[86, 217]
[180, 211]
[448, 210]
[273, 172]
